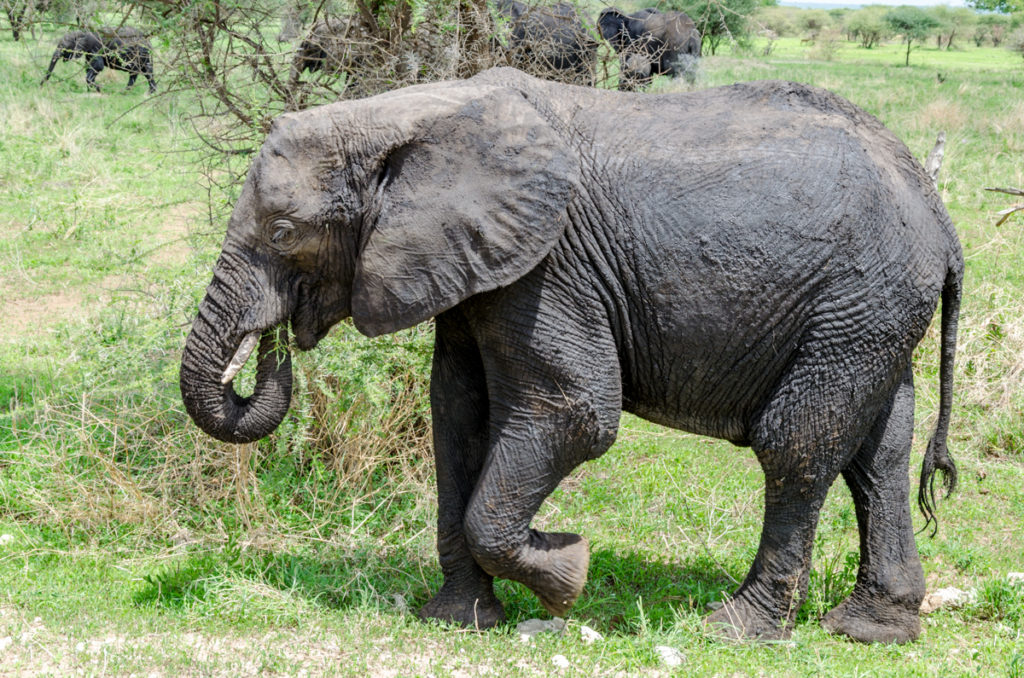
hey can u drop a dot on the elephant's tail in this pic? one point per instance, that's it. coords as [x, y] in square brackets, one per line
[936, 457]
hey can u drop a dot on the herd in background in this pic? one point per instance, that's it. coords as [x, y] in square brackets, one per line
[552, 41]
[122, 48]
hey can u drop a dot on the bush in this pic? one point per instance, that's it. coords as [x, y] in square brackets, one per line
[1016, 41]
[781, 21]
[868, 26]
[812, 22]
[991, 28]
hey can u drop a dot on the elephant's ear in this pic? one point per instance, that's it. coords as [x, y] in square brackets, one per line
[473, 200]
[611, 22]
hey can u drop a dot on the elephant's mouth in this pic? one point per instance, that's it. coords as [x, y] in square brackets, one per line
[306, 332]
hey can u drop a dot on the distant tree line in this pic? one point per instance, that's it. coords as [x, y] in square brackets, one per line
[998, 23]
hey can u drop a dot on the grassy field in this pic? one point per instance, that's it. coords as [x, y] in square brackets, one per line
[132, 544]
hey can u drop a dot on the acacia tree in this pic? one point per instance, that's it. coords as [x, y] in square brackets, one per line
[912, 23]
[718, 20]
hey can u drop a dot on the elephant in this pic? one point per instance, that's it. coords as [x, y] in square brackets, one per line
[123, 48]
[549, 42]
[334, 45]
[755, 263]
[650, 42]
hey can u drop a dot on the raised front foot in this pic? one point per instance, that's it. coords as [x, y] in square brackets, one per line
[873, 622]
[563, 571]
[479, 611]
[739, 620]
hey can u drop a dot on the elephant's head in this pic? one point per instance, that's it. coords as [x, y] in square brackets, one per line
[612, 24]
[389, 210]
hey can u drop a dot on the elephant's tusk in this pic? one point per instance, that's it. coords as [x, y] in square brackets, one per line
[241, 356]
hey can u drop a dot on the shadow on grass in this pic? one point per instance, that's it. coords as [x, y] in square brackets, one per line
[624, 594]
[626, 591]
[330, 579]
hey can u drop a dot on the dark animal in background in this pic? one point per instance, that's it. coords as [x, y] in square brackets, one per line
[124, 48]
[649, 43]
[549, 42]
[755, 263]
[334, 45]
[18, 10]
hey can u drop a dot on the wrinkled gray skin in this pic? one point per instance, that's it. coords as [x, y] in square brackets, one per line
[650, 42]
[754, 263]
[549, 42]
[123, 48]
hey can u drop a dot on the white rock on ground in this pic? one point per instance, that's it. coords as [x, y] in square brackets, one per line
[1015, 578]
[669, 655]
[6, 539]
[560, 661]
[947, 597]
[531, 627]
[589, 635]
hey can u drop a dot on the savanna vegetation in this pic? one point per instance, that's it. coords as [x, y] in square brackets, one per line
[130, 543]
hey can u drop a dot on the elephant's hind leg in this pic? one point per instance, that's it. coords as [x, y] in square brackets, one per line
[890, 583]
[803, 439]
[460, 418]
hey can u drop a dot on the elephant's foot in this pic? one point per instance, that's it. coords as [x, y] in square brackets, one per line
[873, 622]
[739, 620]
[561, 572]
[479, 611]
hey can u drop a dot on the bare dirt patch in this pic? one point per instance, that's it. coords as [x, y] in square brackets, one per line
[29, 314]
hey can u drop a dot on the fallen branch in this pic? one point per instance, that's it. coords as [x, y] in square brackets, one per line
[1005, 214]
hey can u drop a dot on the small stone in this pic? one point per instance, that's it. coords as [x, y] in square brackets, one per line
[669, 655]
[950, 596]
[715, 605]
[531, 627]
[1015, 578]
[6, 539]
[6, 642]
[560, 661]
[589, 635]
[400, 603]
[80, 646]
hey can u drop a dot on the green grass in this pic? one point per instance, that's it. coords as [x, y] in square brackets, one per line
[960, 58]
[138, 545]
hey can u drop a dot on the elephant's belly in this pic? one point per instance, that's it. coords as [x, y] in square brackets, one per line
[724, 412]
[710, 368]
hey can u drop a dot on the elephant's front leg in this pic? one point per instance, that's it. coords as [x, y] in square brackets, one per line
[551, 408]
[460, 420]
[96, 64]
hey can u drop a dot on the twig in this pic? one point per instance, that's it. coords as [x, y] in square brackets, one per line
[1005, 214]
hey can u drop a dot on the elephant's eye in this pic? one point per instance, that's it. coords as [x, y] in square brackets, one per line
[282, 231]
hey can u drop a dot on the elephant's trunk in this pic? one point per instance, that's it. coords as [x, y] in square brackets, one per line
[208, 366]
